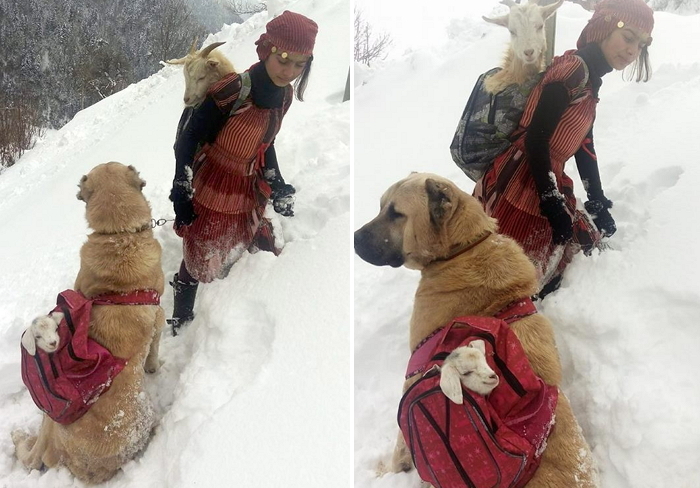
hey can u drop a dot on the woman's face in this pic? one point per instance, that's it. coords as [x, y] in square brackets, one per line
[623, 46]
[283, 71]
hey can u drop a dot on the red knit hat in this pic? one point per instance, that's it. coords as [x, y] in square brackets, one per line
[289, 33]
[615, 14]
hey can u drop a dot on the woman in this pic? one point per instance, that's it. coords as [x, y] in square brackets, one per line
[220, 191]
[526, 189]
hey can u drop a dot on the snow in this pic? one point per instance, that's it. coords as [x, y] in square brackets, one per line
[626, 318]
[255, 392]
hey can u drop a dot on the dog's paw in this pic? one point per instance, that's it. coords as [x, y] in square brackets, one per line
[151, 367]
[401, 460]
[18, 436]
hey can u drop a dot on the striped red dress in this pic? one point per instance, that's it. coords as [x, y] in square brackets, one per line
[230, 192]
[507, 190]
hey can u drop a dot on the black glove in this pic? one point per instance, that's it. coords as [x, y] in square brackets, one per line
[283, 199]
[553, 207]
[598, 209]
[181, 196]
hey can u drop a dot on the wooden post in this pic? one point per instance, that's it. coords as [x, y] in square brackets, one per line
[346, 95]
[550, 28]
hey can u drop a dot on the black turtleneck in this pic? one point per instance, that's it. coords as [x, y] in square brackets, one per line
[554, 100]
[206, 120]
[264, 92]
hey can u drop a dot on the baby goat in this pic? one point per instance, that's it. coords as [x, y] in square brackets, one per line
[202, 69]
[43, 333]
[528, 44]
[467, 366]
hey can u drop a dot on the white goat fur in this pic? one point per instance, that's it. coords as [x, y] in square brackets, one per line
[528, 43]
[202, 68]
[43, 333]
[467, 366]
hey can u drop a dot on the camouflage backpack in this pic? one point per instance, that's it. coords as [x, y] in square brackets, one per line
[489, 122]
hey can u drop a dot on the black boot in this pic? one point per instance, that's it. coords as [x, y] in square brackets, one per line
[552, 286]
[183, 308]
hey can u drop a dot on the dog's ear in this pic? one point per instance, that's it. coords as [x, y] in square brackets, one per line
[28, 342]
[440, 201]
[136, 179]
[83, 192]
[450, 383]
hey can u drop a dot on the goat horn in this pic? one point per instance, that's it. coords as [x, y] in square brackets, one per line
[205, 52]
[193, 47]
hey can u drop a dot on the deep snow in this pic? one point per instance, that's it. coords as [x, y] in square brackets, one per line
[256, 391]
[625, 319]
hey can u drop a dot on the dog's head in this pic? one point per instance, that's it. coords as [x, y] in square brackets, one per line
[422, 218]
[113, 198]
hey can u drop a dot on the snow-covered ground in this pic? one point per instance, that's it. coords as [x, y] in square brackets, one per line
[256, 392]
[626, 319]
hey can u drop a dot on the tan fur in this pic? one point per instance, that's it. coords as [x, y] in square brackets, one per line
[121, 255]
[436, 220]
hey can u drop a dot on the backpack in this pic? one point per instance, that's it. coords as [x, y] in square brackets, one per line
[494, 441]
[64, 384]
[489, 122]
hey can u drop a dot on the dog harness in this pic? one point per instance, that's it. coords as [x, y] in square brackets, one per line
[64, 384]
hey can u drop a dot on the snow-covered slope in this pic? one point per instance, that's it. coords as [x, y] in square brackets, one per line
[625, 319]
[256, 391]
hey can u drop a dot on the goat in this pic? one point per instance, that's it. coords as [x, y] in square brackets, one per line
[467, 366]
[43, 333]
[528, 44]
[202, 69]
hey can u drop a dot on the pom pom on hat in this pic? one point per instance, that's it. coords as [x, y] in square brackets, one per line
[289, 33]
[615, 14]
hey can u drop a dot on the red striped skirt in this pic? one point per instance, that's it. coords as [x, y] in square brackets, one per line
[230, 200]
[533, 231]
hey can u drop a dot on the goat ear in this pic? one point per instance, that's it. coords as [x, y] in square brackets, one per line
[502, 20]
[28, 342]
[57, 317]
[548, 10]
[177, 61]
[479, 345]
[440, 201]
[450, 383]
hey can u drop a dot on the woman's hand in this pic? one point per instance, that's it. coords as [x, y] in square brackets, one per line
[553, 207]
[283, 199]
[598, 209]
[181, 196]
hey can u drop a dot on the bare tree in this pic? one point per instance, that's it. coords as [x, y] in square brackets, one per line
[369, 47]
[19, 129]
[245, 7]
[175, 30]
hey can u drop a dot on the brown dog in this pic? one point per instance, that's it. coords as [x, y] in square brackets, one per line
[429, 224]
[120, 256]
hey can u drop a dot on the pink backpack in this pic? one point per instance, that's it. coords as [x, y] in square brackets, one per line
[67, 382]
[494, 441]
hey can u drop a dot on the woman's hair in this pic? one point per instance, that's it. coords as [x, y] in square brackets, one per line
[640, 69]
[303, 80]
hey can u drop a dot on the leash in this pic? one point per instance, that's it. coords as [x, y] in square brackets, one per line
[158, 222]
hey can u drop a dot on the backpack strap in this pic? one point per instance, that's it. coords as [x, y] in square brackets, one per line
[579, 89]
[424, 350]
[243, 94]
